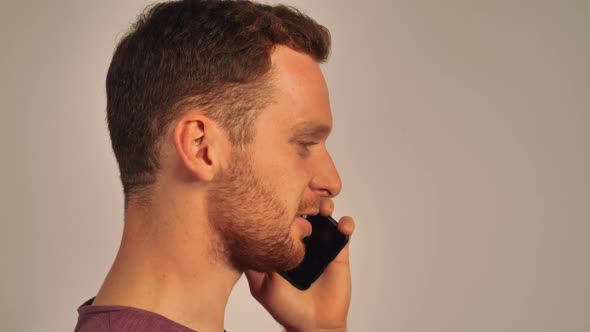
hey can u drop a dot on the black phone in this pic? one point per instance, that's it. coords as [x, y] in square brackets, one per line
[321, 247]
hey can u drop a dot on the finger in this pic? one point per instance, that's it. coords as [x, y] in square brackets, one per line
[346, 225]
[326, 206]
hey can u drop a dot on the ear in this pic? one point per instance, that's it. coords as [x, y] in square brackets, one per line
[199, 145]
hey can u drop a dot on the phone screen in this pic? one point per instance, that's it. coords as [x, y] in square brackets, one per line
[321, 247]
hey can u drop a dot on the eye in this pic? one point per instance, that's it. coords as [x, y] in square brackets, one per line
[306, 145]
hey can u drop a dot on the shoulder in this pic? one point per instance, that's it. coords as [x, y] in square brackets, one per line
[95, 318]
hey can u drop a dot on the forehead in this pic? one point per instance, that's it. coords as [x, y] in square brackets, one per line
[301, 94]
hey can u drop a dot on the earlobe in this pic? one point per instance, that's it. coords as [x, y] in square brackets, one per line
[192, 140]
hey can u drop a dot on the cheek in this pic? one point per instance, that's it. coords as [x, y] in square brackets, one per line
[289, 185]
[299, 184]
[282, 167]
[286, 166]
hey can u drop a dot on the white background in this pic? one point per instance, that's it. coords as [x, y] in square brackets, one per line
[462, 135]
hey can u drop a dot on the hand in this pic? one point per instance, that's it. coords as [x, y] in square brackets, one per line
[324, 306]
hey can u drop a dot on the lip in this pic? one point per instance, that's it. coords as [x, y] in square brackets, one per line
[305, 225]
[312, 213]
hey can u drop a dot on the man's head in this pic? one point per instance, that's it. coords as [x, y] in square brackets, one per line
[223, 99]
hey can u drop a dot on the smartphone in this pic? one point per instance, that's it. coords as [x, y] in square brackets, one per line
[321, 247]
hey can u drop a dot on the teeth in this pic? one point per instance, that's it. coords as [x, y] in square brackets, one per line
[304, 216]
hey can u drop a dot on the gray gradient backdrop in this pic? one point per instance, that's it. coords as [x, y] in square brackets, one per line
[462, 134]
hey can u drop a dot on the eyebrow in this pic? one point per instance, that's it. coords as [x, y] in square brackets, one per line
[312, 129]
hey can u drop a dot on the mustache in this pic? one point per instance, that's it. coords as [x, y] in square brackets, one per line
[310, 204]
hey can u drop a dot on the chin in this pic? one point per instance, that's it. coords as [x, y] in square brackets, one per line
[294, 258]
[283, 257]
[298, 254]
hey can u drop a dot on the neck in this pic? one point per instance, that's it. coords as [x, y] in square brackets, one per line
[168, 263]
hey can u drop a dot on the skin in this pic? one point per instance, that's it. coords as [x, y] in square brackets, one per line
[217, 211]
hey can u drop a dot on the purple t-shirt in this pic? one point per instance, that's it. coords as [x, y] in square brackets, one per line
[107, 318]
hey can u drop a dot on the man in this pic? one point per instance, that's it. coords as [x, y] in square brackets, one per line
[218, 115]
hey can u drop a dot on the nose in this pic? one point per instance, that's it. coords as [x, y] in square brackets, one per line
[327, 180]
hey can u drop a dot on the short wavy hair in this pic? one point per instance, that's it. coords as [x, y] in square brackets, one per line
[211, 55]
